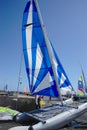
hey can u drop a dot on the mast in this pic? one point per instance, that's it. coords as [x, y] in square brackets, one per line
[84, 80]
[50, 52]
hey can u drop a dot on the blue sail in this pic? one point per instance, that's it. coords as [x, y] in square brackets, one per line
[63, 80]
[38, 64]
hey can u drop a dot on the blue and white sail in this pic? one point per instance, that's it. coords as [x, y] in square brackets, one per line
[38, 53]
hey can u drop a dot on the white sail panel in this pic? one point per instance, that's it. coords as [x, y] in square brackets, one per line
[29, 41]
[45, 84]
[39, 58]
[62, 79]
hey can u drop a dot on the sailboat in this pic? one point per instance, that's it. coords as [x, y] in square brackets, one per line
[85, 83]
[82, 87]
[45, 74]
[81, 91]
[81, 96]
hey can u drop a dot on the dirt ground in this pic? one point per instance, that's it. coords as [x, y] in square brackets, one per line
[7, 125]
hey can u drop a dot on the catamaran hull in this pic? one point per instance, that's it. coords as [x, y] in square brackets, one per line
[58, 121]
[23, 117]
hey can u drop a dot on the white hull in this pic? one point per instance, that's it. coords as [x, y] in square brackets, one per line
[58, 121]
[4, 116]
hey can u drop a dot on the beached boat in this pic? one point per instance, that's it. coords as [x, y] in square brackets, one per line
[45, 73]
[82, 87]
[7, 114]
[85, 82]
[81, 91]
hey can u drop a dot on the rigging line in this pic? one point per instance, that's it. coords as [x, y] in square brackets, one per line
[19, 82]
[19, 72]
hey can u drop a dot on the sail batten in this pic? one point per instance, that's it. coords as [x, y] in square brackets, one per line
[43, 67]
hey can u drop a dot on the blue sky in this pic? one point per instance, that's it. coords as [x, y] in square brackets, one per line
[66, 25]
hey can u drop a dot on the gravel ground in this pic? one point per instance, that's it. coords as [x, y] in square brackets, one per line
[7, 125]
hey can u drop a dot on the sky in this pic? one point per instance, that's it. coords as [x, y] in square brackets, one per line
[66, 26]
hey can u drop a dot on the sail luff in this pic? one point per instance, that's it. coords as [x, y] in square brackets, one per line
[50, 52]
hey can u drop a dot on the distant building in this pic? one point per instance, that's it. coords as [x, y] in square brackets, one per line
[25, 89]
